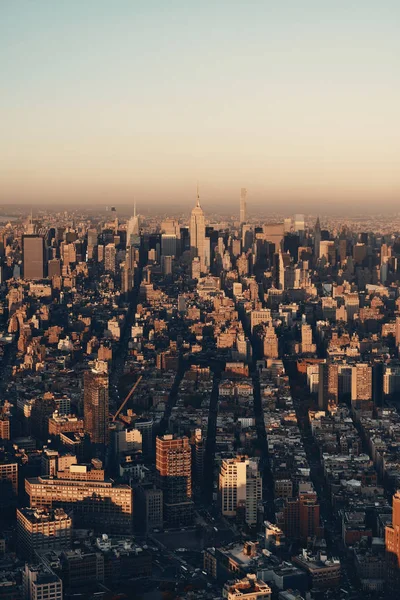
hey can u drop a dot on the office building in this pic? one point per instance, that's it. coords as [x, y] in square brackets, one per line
[166, 265]
[98, 504]
[168, 244]
[43, 529]
[174, 477]
[274, 233]
[328, 251]
[54, 268]
[95, 406]
[197, 234]
[33, 256]
[240, 488]
[317, 239]
[148, 508]
[243, 205]
[133, 228]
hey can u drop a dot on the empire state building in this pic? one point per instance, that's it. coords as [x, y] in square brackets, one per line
[198, 234]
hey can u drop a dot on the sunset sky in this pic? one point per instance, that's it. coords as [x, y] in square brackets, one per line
[298, 101]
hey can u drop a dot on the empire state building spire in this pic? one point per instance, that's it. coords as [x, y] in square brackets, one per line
[198, 232]
[198, 197]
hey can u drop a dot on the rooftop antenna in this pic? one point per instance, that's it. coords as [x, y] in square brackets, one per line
[134, 207]
[198, 195]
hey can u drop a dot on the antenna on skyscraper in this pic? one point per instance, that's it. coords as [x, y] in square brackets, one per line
[134, 208]
[198, 195]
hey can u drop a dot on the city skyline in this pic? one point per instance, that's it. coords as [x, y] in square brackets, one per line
[296, 103]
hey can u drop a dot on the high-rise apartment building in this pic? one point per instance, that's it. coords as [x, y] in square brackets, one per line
[95, 406]
[243, 206]
[174, 476]
[110, 258]
[33, 256]
[361, 386]
[240, 488]
[197, 234]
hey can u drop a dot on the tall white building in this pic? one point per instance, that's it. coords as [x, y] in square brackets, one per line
[243, 198]
[133, 227]
[240, 486]
[198, 234]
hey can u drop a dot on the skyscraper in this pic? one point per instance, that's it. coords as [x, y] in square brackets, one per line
[361, 386]
[317, 239]
[174, 474]
[243, 197]
[168, 244]
[109, 258]
[240, 487]
[95, 406]
[328, 387]
[198, 233]
[133, 228]
[33, 256]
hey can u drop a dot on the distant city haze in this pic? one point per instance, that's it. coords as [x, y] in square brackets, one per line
[296, 101]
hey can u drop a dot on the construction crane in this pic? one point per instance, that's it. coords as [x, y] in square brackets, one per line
[133, 388]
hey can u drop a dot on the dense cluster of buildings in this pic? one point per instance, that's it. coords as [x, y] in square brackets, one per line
[159, 375]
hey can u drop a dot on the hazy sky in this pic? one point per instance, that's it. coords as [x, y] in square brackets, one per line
[297, 100]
